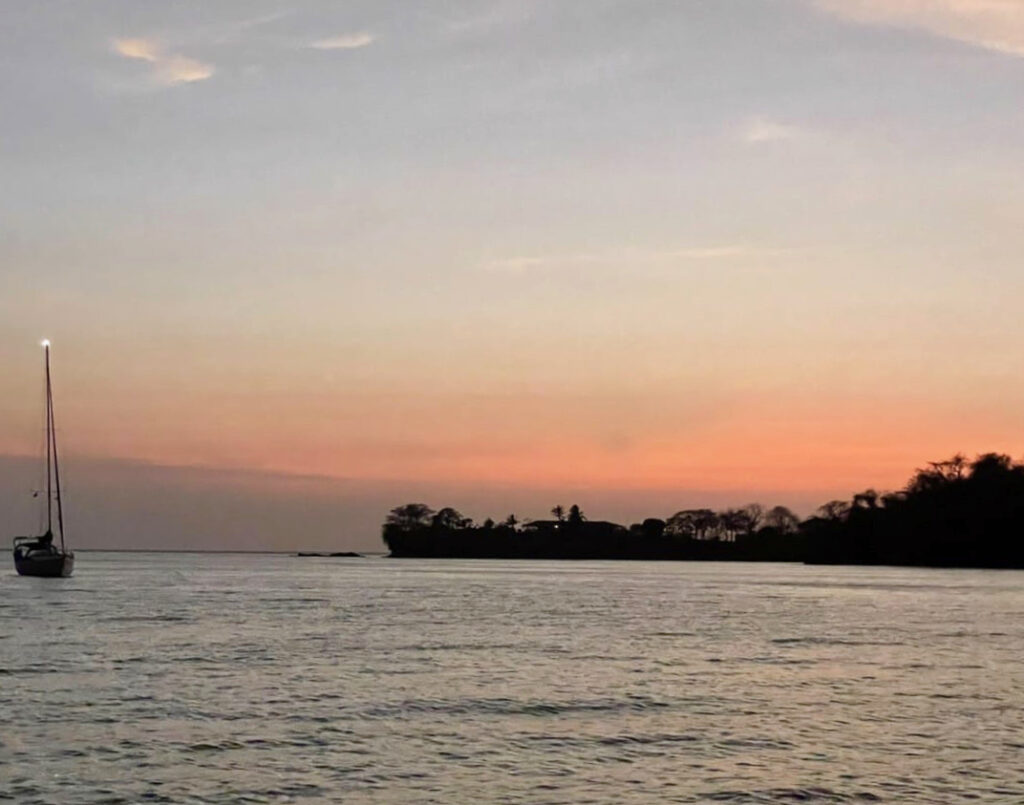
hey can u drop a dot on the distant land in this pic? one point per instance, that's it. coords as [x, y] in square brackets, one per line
[952, 513]
[329, 554]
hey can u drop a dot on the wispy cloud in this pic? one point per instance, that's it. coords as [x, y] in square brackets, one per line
[263, 19]
[232, 32]
[344, 42]
[496, 17]
[633, 257]
[722, 252]
[167, 70]
[143, 49]
[182, 70]
[765, 130]
[991, 24]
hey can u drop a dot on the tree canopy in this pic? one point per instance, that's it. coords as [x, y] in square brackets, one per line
[953, 512]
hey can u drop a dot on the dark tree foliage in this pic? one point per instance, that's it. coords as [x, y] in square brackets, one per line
[409, 517]
[952, 513]
[448, 519]
[576, 517]
[782, 520]
[415, 530]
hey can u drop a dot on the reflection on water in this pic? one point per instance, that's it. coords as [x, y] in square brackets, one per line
[226, 678]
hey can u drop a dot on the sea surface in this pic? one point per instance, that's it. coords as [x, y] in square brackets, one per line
[221, 678]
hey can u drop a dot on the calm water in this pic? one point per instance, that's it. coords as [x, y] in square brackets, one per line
[187, 678]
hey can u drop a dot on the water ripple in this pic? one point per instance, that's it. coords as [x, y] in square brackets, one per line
[225, 679]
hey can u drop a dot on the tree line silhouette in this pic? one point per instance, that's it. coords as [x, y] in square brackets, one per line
[952, 513]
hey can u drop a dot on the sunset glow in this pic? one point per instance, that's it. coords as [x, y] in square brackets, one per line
[456, 249]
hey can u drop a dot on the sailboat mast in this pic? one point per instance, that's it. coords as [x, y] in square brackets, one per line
[53, 440]
[49, 451]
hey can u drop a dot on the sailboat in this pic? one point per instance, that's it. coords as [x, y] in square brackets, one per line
[38, 556]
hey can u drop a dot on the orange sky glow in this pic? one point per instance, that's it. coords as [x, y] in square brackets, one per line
[648, 255]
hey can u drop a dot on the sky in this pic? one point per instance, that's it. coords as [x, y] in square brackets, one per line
[301, 263]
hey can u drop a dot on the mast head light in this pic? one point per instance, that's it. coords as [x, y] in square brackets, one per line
[45, 343]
